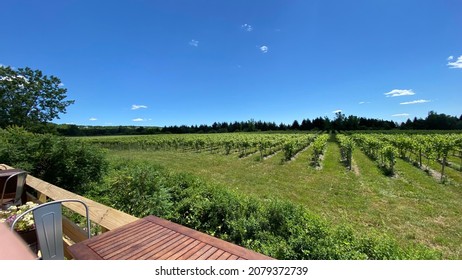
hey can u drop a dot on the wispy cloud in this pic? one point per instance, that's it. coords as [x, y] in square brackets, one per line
[455, 64]
[401, 115]
[247, 27]
[399, 92]
[138, 120]
[60, 85]
[136, 107]
[364, 102]
[264, 49]
[337, 111]
[92, 119]
[194, 43]
[415, 102]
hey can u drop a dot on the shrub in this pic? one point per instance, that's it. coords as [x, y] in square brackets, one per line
[140, 190]
[276, 228]
[67, 163]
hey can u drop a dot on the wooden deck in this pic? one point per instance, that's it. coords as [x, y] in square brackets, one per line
[153, 238]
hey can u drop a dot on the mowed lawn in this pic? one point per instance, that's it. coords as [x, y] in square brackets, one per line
[411, 206]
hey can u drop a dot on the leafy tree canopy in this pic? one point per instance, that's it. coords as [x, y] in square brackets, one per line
[30, 99]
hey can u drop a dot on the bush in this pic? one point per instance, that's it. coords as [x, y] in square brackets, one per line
[139, 190]
[276, 228]
[67, 163]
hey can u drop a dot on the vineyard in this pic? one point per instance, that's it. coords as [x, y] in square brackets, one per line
[423, 150]
[236, 144]
[408, 186]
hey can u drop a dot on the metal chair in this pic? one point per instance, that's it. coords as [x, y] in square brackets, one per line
[8, 200]
[48, 225]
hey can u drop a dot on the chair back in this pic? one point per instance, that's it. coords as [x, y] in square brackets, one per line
[49, 228]
[20, 183]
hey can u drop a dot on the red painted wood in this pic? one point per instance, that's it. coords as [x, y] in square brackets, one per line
[156, 238]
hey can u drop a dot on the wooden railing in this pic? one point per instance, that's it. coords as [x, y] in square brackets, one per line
[105, 217]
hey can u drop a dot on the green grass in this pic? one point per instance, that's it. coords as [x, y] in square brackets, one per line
[412, 206]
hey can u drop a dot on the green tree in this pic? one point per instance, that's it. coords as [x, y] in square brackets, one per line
[30, 99]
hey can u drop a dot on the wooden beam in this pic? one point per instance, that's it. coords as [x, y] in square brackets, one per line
[101, 214]
[73, 231]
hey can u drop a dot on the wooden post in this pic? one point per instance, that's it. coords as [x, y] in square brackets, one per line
[41, 197]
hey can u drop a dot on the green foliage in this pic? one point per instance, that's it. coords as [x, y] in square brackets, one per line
[318, 146]
[388, 158]
[379, 150]
[346, 148]
[277, 228]
[140, 190]
[28, 98]
[67, 163]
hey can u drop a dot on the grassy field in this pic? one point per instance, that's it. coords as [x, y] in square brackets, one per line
[411, 206]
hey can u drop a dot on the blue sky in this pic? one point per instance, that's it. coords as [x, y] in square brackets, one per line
[195, 62]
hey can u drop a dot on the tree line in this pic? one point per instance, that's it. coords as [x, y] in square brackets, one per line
[433, 121]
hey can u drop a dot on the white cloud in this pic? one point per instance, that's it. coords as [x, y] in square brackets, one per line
[455, 64]
[136, 107]
[401, 115]
[399, 92]
[264, 49]
[92, 119]
[60, 85]
[415, 102]
[364, 102]
[194, 43]
[337, 111]
[247, 27]
[138, 120]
